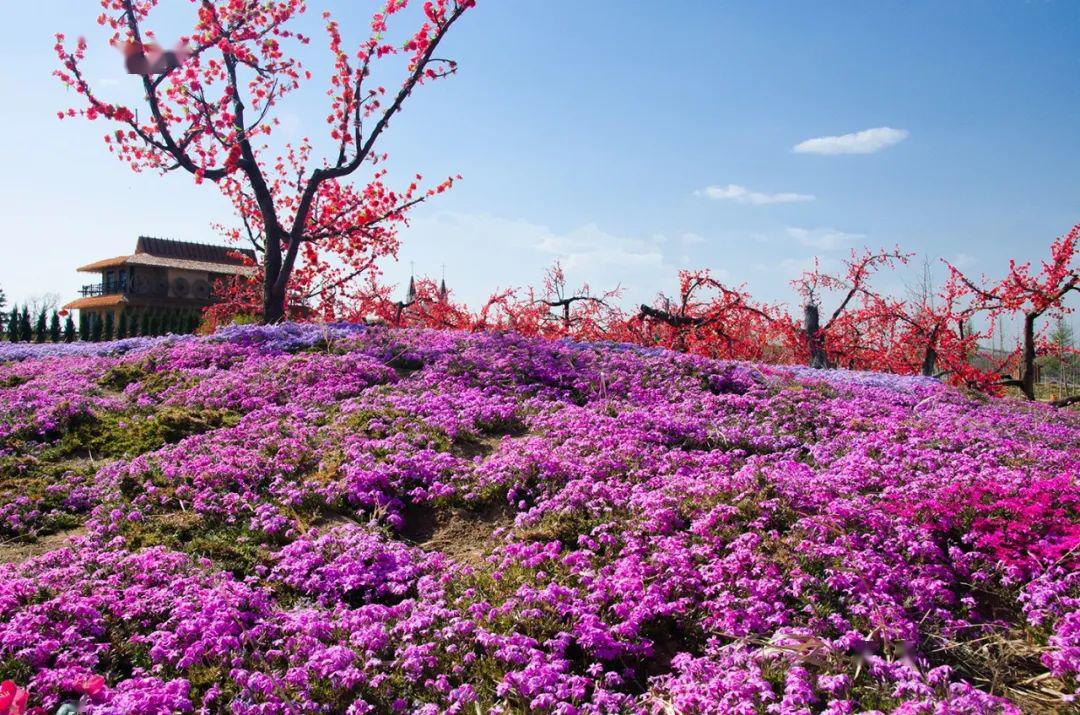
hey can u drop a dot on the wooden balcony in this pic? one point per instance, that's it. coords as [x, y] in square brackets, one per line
[95, 289]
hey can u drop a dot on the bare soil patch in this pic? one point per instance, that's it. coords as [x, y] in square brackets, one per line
[465, 535]
[476, 446]
[18, 550]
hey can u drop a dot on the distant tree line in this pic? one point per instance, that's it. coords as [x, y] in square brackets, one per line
[19, 326]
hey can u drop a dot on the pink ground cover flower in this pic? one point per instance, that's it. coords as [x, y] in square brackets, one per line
[13, 699]
[347, 519]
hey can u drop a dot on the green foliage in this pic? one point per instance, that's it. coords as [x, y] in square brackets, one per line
[1060, 359]
[16, 669]
[26, 333]
[564, 527]
[54, 327]
[122, 374]
[47, 486]
[390, 421]
[13, 325]
[151, 381]
[41, 328]
[13, 381]
[109, 324]
[119, 434]
[69, 329]
[229, 546]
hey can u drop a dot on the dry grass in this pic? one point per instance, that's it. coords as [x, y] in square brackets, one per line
[21, 548]
[1005, 663]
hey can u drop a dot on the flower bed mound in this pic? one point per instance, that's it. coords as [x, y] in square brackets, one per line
[328, 519]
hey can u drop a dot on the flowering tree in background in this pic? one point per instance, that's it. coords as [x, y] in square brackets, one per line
[936, 336]
[505, 310]
[319, 233]
[1029, 296]
[710, 318]
[561, 312]
[210, 113]
[857, 328]
[427, 305]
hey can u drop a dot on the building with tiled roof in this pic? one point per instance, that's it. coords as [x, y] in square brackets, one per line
[163, 277]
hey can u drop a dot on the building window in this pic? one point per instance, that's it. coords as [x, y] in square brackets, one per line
[122, 284]
[109, 281]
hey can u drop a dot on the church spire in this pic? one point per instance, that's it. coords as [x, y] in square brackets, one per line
[410, 295]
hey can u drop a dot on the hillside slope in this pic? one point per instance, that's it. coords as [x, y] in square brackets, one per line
[311, 519]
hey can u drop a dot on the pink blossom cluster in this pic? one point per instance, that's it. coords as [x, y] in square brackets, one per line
[428, 522]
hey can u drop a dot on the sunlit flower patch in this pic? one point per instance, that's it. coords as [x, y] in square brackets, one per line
[345, 519]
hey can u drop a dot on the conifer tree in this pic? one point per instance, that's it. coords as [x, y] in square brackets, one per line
[109, 322]
[54, 327]
[41, 328]
[147, 327]
[84, 326]
[122, 326]
[13, 324]
[26, 333]
[69, 329]
[95, 327]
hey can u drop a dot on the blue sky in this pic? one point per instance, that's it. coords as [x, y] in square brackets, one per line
[591, 132]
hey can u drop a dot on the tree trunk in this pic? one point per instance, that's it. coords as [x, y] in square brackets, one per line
[273, 307]
[1027, 376]
[814, 343]
[273, 294]
[929, 363]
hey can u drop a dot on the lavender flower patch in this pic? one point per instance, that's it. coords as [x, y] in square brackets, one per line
[325, 519]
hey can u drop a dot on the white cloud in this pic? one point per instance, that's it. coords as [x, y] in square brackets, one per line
[824, 239]
[589, 247]
[742, 195]
[483, 252]
[867, 141]
[963, 260]
[792, 268]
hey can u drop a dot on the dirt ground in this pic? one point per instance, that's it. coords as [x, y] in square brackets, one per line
[21, 549]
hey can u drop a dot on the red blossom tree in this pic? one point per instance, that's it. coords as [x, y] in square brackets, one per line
[856, 329]
[505, 309]
[566, 313]
[210, 113]
[709, 318]
[427, 305]
[1030, 296]
[929, 333]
